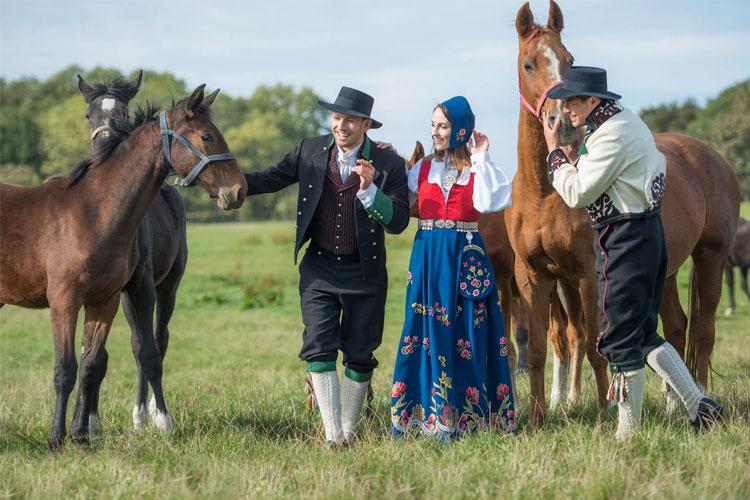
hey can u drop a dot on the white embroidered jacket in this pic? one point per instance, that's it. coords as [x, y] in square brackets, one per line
[622, 174]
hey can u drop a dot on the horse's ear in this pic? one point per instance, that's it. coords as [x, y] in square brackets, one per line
[209, 99]
[416, 155]
[524, 20]
[194, 100]
[85, 89]
[555, 19]
[132, 86]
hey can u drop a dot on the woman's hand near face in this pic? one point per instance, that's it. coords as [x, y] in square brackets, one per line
[479, 143]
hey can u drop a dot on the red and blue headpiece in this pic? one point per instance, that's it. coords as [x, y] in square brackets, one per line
[462, 120]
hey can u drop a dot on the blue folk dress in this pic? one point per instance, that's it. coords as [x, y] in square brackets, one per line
[452, 374]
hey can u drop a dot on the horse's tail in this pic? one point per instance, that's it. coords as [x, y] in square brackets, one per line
[691, 354]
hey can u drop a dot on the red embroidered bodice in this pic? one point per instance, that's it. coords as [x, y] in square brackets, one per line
[433, 205]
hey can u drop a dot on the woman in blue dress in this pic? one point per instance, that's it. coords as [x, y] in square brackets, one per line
[452, 374]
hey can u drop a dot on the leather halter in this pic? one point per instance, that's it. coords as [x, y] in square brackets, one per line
[537, 112]
[188, 180]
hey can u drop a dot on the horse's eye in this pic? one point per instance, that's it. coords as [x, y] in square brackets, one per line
[206, 138]
[88, 117]
[527, 66]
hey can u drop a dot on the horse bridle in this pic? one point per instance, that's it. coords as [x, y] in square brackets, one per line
[537, 112]
[188, 180]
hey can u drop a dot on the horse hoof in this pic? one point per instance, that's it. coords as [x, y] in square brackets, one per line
[94, 424]
[140, 417]
[55, 442]
[163, 422]
[81, 441]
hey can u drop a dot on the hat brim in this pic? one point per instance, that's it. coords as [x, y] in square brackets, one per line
[560, 92]
[350, 112]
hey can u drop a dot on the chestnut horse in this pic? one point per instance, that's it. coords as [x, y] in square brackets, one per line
[71, 242]
[553, 243]
[162, 249]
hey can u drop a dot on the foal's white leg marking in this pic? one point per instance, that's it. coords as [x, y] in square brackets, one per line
[94, 424]
[560, 371]
[140, 417]
[162, 421]
[152, 406]
[559, 381]
[108, 104]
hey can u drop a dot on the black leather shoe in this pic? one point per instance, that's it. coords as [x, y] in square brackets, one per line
[709, 414]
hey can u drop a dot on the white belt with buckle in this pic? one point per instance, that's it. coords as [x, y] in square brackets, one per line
[458, 225]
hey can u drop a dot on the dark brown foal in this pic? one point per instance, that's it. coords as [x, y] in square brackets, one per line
[71, 242]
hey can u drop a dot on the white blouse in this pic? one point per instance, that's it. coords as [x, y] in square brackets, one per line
[492, 187]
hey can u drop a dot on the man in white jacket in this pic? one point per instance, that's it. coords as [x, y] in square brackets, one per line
[619, 178]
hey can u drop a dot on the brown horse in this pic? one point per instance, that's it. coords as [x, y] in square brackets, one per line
[162, 248]
[553, 243]
[71, 242]
[740, 257]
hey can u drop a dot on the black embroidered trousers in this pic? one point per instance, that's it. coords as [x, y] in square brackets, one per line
[631, 262]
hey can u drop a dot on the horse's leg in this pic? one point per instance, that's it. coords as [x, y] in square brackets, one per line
[93, 364]
[729, 273]
[94, 421]
[701, 331]
[591, 317]
[535, 292]
[138, 299]
[576, 335]
[560, 348]
[743, 281]
[166, 295]
[521, 329]
[64, 315]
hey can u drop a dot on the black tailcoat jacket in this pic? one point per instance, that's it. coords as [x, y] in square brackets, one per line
[307, 164]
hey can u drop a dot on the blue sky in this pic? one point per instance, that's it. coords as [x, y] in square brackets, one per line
[410, 54]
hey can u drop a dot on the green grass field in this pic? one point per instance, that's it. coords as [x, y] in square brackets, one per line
[234, 386]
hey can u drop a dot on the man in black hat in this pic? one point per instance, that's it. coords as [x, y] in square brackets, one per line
[619, 177]
[350, 193]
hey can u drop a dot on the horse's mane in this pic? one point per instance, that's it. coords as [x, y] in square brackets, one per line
[117, 88]
[124, 127]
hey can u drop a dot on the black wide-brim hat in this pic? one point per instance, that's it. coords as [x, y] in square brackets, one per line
[583, 81]
[352, 102]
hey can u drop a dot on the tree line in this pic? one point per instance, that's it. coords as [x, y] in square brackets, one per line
[43, 130]
[724, 124]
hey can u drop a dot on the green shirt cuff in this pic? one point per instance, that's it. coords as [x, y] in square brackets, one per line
[381, 208]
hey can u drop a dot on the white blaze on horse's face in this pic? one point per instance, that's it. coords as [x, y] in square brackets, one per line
[108, 104]
[554, 73]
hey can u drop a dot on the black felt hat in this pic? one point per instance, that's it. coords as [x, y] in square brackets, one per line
[583, 81]
[352, 102]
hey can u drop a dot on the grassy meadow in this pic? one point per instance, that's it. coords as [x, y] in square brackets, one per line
[234, 386]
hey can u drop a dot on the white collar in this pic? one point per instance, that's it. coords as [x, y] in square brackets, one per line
[349, 157]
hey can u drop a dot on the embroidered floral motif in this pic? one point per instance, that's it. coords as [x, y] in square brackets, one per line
[555, 160]
[410, 343]
[463, 347]
[601, 208]
[503, 346]
[480, 314]
[461, 135]
[426, 345]
[408, 278]
[603, 112]
[474, 279]
[435, 311]
[657, 191]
